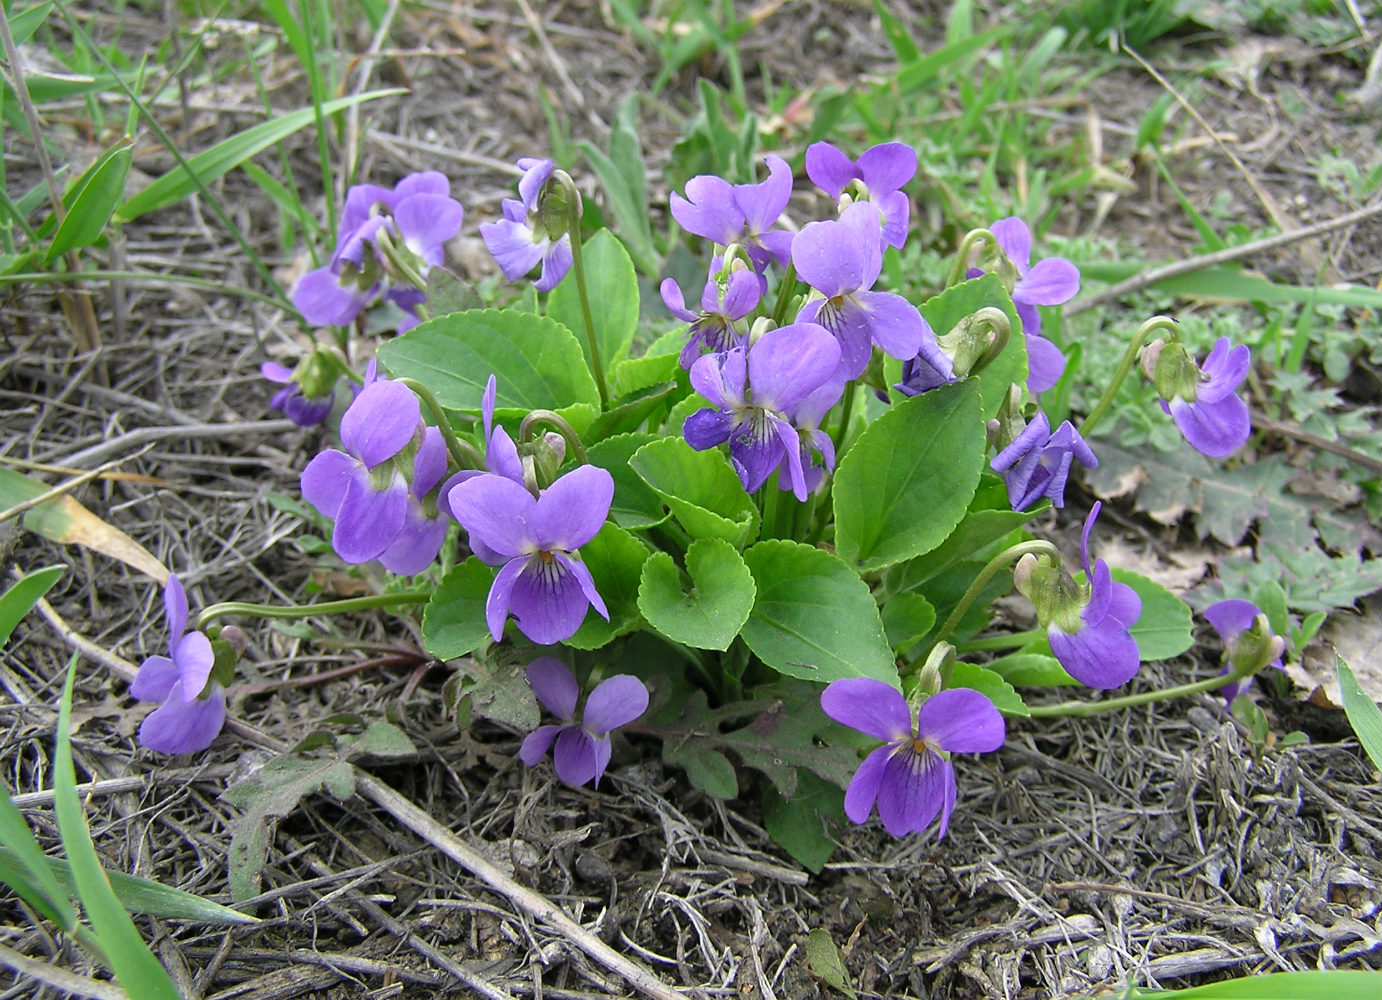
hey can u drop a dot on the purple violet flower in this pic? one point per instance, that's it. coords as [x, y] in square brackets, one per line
[721, 307]
[753, 392]
[1093, 643]
[1037, 463]
[807, 417]
[291, 400]
[380, 506]
[520, 241]
[726, 213]
[194, 706]
[419, 216]
[841, 260]
[1231, 618]
[930, 369]
[541, 581]
[908, 777]
[1208, 410]
[1051, 281]
[876, 177]
[582, 749]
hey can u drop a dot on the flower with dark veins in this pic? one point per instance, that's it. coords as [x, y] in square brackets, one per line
[580, 750]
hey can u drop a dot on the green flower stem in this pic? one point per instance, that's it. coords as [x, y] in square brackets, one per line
[1008, 640]
[995, 564]
[573, 229]
[1086, 708]
[399, 261]
[847, 411]
[784, 295]
[559, 423]
[462, 453]
[1124, 367]
[767, 507]
[308, 610]
[972, 239]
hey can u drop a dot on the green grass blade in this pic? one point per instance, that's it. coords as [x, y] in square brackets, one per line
[133, 963]
[1363, 714]
[1332, 983]
[20, 598]
[230, 153]
[29, 874]
[92, 201]
[26, 22]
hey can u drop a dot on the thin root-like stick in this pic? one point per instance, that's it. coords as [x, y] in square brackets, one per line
[60, 979]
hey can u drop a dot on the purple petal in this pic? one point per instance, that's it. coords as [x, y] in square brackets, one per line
[828, 258]
[720, 377]
[512, 246]
[1045, 364]
[1213, 429]
[762, 203]
[829, 169]
[175, 607]
[194, 658]
[708, 210]
[546, 598]
[863, 221]
[870, 706]
[359, 204]
[581, 572]
[707, 428]
[788, 364]
[1225, 370]
[791, 450]
[961, 721]
[742, 294]
[949, 793]
[497, 512]
[417, 543]
[755, 458]
[429, 182]
[368, 520]
[1050, 282]
[429, 464]
[156, 677]
[536, 173]
[912, 792]
[1085, 532]
[555, 686]
[863, 788]
[1124, 607]
[675, 302]
[501, 457]
[537, 743]
[556, 261]
[381, 422]
[179, 726]
[275, 372]
[886, 167]
[1229, 618]
[501, 597]
[616, 701]
[1033, 436]
[572, 510]
[1104, 657]
[1030, 317]
[579, 757]
[326, 477]
[896, 209]
[426, 222]
[1015, 239]
[894, 323]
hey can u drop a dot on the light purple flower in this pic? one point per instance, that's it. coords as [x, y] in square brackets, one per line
[519, 241]
[807, 417]
[753, 392]
[418, 214]
[1214, 418]
[841, 260]
[541, 582]
[1231, 618]
[726, 213]
[582, 749]
[1097, 648]
[876, 177]
[1051, 281]
[908, 778]
[1037, 463]
[291, 400]
[380, 506]
[721, 308]
[194, 706]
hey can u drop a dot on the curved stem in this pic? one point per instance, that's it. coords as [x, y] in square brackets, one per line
[573, 230]
[1124, 366]
[1085, 708]
[462, 453]
[986, 574]
[556, 420]
[308, 610]
[784, 294]
[967, 245]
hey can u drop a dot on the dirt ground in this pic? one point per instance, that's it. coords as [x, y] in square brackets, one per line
[1155, 845]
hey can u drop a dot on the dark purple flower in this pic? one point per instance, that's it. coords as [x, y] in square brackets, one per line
[841, 260]
[930, 369]
[876, 177]
[291, 400]
[1208, 409]
[1037, 463]
[541, 582]
[418, 215]
[194, 706]
[379, 504]
[1051, 281]
[1231, 619]
[722, 305]
[520, 241]
[908, 777]
[726, 213]
[753, 391]
[582, 749]
[1093, 643]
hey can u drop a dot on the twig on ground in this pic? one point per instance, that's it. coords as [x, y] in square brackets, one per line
[60, 979]
[1263, 422]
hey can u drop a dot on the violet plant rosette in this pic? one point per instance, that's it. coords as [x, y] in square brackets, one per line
[541, 581]
[910, 778]
[193, 708]
[753, 391]
[522, 239]
[580, 750]
[743, 214]
[417, 216]
[877, 178]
